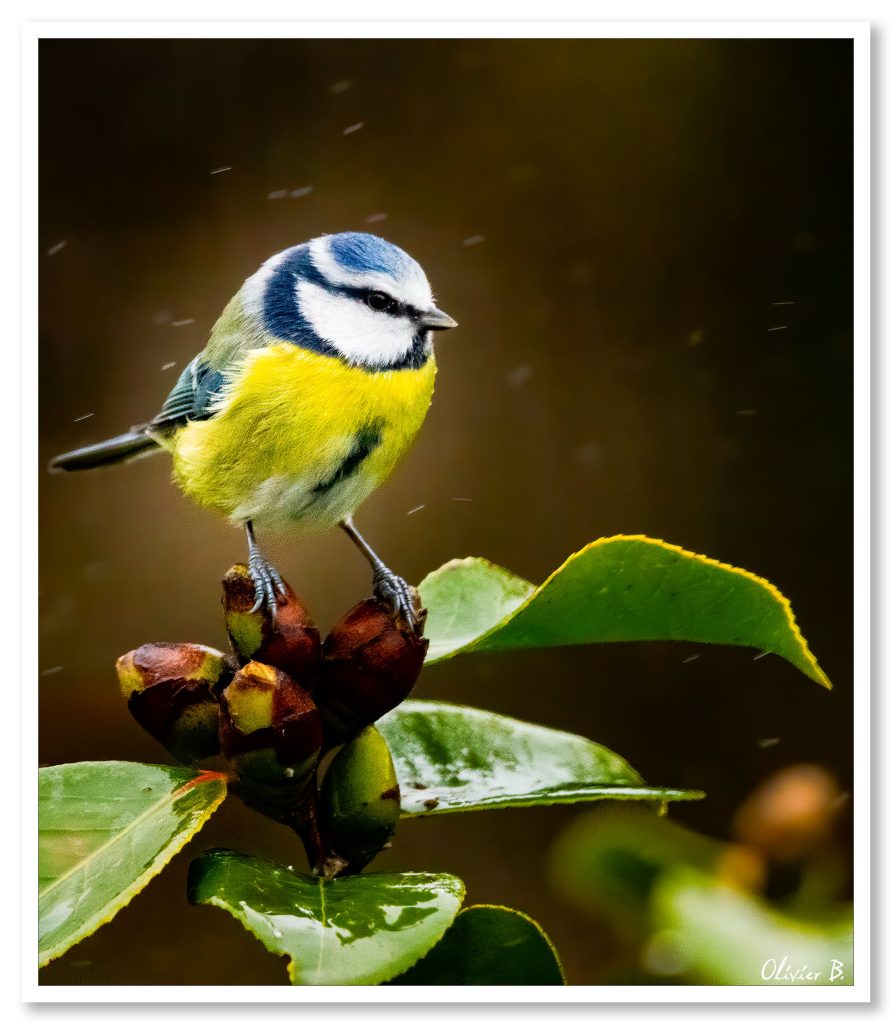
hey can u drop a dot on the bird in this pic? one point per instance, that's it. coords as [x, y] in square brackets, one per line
[313, 385]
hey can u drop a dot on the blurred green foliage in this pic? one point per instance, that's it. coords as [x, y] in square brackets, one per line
[687, 908]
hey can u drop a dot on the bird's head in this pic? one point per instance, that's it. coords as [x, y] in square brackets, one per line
[350, 295]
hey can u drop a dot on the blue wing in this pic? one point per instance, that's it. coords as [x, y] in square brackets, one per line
[193, 395]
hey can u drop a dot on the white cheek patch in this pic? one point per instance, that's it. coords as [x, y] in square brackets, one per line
[361, 335]
[412, 288]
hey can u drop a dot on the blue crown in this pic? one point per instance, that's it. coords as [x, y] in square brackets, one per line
[363, 253]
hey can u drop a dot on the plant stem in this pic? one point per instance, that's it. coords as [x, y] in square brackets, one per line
[324, 862]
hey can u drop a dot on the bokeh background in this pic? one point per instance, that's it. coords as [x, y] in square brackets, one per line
[648, 246]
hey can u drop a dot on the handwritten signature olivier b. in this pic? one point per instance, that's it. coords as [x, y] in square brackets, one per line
[786, 973]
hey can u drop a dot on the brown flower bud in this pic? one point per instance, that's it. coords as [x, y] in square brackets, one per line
[370, 663]
[791, 814]
[270, 727]
[289, 641]
[170, 690]
[360, 799]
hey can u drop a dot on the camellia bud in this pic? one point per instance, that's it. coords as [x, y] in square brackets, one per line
[170, 690]
[791, 814]
[289, 641]
[370, 662]
[360, 799]
[271, 729]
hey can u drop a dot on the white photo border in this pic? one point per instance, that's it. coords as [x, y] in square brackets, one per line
[859, 33]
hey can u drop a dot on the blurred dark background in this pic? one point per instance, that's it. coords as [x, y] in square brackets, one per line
[648, 245]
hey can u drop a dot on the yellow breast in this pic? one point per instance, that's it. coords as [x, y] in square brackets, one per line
[301, 439]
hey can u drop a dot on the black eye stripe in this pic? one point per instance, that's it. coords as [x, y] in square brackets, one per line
[393, 308]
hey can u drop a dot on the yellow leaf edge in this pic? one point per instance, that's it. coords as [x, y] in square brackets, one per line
[817, 674]
[530, 920]
[509, 910]
[164, 857]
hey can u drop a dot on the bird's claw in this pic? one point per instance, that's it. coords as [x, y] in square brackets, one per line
[268, 584]
[402, 598]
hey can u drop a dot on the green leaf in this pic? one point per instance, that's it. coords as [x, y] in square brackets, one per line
[489, 946]
[616, 588]
[465, 599]
[719, 935]
[358, 930]
[105, 829]
[453, 758]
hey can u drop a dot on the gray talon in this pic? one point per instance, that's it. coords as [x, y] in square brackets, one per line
[267, 585]
[277, 580]
[394, 590]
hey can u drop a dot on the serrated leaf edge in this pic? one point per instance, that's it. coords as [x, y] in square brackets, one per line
[161, 860]
[293, 966]
[819, 676]
[529, 920]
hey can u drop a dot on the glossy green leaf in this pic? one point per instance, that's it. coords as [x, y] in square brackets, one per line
[489, 946]
[615, 589]
[466, 599]
[105, 829]
[358, 930]
[453, 758]
[712, 933]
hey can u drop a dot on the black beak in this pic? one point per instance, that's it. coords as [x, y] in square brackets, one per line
[436, 320]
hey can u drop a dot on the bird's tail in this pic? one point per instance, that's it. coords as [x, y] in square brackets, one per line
[116, 449]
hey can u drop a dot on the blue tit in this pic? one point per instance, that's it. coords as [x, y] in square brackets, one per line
[312, 387]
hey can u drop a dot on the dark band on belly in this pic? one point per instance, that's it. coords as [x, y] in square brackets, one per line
[364, 443]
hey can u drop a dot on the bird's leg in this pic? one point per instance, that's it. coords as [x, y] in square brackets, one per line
[267, 581]
[386, 585]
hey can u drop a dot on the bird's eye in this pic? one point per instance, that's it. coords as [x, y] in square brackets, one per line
[381, 301]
